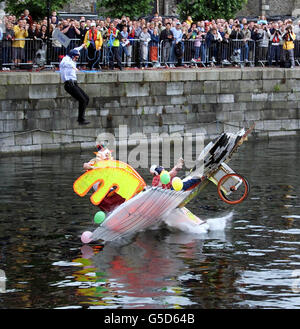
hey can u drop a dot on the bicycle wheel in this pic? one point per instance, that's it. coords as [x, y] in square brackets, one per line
[233, 188]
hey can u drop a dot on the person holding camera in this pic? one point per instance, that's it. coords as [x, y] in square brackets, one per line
[288, 46]
[166, 39]
[71, 31]
[275, 40]
[263, 43]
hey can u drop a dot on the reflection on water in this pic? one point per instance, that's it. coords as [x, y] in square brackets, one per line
[253, 263]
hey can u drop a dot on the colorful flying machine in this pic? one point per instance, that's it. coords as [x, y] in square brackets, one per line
[143, 206]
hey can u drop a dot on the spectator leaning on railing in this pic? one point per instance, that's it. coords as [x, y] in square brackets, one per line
[20, 32]
[8, 36]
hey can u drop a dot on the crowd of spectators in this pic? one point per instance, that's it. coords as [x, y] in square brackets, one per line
[156, 42]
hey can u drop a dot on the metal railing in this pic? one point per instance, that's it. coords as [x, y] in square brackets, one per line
[138, 53]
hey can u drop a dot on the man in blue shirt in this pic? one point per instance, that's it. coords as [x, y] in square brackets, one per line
[68, 71]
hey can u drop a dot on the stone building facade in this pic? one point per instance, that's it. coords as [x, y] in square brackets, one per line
[168, 7]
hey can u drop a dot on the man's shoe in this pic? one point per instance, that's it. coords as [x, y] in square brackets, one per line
[84, 122]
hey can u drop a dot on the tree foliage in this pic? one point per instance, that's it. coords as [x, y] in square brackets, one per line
[118, 8]
[209, 9]
[37, 8]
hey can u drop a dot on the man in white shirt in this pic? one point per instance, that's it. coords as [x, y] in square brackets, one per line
[68, 71]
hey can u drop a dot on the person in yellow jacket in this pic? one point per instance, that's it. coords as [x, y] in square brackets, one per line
[21, 32]
[189, 21]
[93, 41]
[113, 42]
[288, 46]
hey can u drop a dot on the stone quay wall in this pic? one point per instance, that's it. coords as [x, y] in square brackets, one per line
[37, 115]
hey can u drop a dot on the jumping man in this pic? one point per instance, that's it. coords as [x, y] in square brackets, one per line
[68, 71]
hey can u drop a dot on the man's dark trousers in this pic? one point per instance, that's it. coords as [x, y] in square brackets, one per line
[75, 91]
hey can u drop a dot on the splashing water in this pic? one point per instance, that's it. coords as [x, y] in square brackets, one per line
[187, 222]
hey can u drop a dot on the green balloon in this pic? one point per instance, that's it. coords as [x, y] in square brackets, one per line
[165, 178]
[99, 217]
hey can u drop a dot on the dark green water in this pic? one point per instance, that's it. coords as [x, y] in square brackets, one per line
[253, 263]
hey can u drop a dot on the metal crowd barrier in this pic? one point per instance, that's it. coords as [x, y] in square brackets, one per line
[137, 53]
[11, 54]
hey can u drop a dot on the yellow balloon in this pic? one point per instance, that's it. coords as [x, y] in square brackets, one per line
[177, 184]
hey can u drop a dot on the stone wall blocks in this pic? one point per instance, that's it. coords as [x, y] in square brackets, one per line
[13, 125]
[158, 88]
[275, 86]
[292, 74]
[155, 76]
[101, 77]
[137, 89]
[45, 78]
[206, 75]
[47, 103]
[63, 136]
[3, 79]
[13, 149]
[272, 124]
[7, 139]
[31, 149]
[290, 124]
[174, 88]
[186, 75]
[273, 73]
[19, 78]
[43, 91]
[16, 92]
[225, 98]
[211, 87]
[40, 137]
[252, 115]
[130, 76]
[252, 74]
[146, 102]
[259, 97]
[230, 74]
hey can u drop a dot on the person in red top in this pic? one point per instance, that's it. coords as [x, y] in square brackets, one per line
[156, 171]
[131, 36]
[189, 182]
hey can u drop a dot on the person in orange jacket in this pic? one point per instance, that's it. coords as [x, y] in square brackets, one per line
[93, 41]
